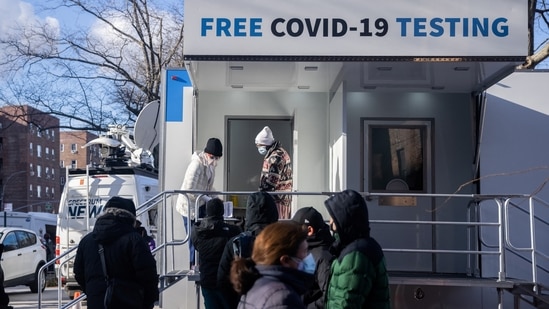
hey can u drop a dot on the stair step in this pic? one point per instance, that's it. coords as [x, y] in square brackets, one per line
[190, 274]
[543, 298]
[174, 276]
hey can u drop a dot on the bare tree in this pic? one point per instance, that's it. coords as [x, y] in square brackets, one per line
[538, 22]
[104, 70]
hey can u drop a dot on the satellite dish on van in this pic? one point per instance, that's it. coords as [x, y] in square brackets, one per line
[145, 132]
[103, 141]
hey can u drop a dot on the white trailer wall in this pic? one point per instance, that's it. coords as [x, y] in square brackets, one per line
[176, 141]
[514, 159]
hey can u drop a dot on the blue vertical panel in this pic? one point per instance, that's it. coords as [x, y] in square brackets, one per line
[176, 79]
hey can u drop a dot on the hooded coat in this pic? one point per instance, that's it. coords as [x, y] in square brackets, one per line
[359, 273]
[260, 211]
[210, 236]
[127, 256]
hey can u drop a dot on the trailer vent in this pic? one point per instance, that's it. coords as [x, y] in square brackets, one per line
[261, 74]
[396, 74]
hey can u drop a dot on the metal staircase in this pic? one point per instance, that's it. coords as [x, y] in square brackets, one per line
[175, 276]
[534, 294]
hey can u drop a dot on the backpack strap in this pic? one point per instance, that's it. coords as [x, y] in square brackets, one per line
[103, 264]
[243, 244]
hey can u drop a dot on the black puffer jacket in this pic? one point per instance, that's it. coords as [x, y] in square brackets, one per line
[260, 211]
[126, 255]
[210, 236]
[319, 247]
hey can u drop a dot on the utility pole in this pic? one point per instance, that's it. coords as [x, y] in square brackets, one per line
[2, 193]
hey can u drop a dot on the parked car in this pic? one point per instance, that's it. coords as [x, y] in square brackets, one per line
[23, 256]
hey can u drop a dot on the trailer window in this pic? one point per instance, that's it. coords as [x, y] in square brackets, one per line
[398, 156]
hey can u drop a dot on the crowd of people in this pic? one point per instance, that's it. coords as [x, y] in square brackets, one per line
[296, 262]
[299, 263]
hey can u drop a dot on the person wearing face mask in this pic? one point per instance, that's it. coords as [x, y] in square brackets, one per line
[279, 271]
[319, 240]
[276, 173]
[200, 175]
[359, 274]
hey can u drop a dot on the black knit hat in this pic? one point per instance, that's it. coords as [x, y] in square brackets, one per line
[121, 203]
[214, 147]
[214, 208]
[309, 216]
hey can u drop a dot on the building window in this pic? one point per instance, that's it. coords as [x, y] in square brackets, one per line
[47, 191]
[74, 148]
[73, 163]
[62, 147]
[52, 173]
[39, 150]
[47, 172]
[31, 168]
[62, 163]
[30, 190]
[47, 151]
[30, 147]
[53, 153]
[38, 191]
[38, 171]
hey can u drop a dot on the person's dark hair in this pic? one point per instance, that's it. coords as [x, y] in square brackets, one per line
[243, 275]
[276, 240]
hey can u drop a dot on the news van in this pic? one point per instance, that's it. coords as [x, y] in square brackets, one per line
[87, 191]
[39, 222]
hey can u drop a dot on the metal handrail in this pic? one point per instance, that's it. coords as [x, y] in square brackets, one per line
[162, 200]
[534, 253]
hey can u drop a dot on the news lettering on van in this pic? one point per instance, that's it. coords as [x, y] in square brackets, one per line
[77, 207]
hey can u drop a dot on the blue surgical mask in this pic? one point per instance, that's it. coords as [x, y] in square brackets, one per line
[262, 150]
[307, 265]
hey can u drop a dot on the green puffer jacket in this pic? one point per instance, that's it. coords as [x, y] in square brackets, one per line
[359, 274]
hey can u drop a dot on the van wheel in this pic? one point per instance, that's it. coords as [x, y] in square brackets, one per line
[39, 281]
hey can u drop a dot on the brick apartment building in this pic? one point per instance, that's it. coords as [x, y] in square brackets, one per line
[29, 160]
[71, 153]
